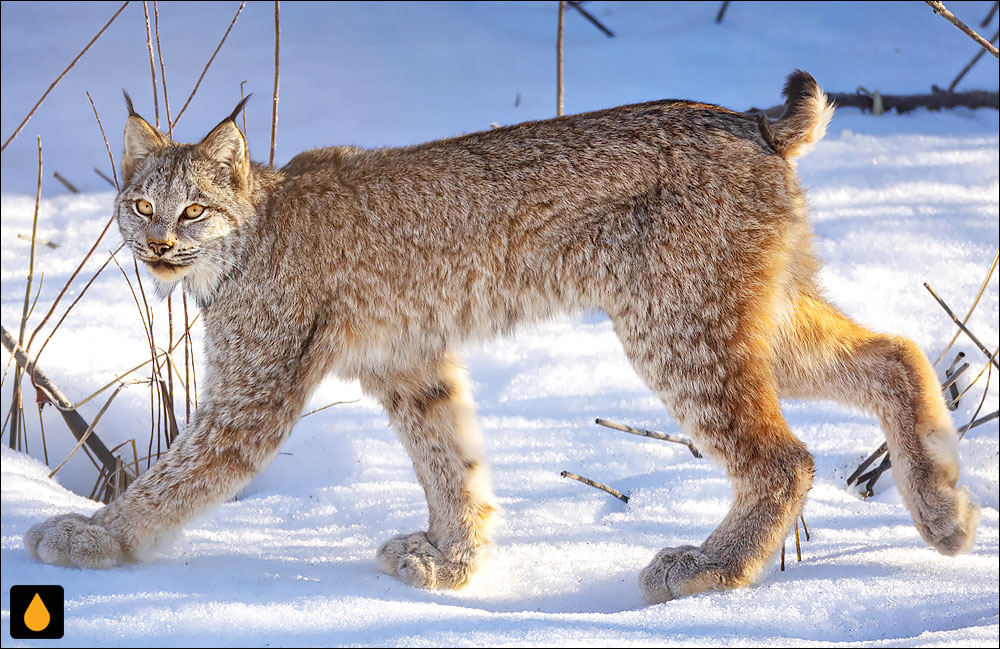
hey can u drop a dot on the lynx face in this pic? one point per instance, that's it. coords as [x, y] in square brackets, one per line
[180, 204]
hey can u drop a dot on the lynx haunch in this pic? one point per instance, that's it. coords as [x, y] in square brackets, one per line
[683, 221]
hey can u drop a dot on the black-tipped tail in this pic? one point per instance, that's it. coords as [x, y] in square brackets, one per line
[807, 113]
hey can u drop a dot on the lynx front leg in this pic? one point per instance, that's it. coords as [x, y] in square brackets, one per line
[255, 391]
[431, 410]
[821, 353]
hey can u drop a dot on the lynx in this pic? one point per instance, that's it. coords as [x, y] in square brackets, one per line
[684, 222]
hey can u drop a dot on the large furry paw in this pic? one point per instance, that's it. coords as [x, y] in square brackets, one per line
[948, 522]
[676, 572]
[73, 540]
[415, 560]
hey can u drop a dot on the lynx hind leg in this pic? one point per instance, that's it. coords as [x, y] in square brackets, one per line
[431, 409]
[718, 384]
[821, 353]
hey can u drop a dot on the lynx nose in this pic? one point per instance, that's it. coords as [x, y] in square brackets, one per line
[159, 247]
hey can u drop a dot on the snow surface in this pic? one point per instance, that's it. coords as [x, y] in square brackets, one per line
[897, 201]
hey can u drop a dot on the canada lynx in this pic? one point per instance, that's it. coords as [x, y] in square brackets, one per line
[683, 221]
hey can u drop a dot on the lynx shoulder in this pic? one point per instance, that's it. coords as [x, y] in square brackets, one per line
[683, 221]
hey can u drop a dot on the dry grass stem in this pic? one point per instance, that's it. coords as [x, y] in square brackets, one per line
[152, 63]
[277, 70]
[105, 177]
[207, 65]
[329, 405]
[59, 78]
[971, 63]
[107, 147]
[559, 58]
[163, 69]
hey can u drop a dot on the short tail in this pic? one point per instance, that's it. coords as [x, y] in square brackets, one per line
[807, 113]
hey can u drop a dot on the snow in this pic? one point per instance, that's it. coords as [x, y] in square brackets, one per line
[897, 201]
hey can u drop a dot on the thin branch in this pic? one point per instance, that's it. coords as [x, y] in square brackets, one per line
[576, 4]
[107, 147]
[41, 242]
[59, 78]
[961, 325]
[650, 433]
[163, 69]
[974, 421]
[989, 16]
[274, 98]
[205, 70]
[105, 177]
[968, 66]
[942, 11]
[559, 59]
[329, 405]
[152, 64]
[722, 12]
[67, 184]
[597, 485]
[965, 320]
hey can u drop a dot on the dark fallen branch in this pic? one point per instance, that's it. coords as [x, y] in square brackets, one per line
[936, 100]
[650, 433]
[597, 485]
[77, 424]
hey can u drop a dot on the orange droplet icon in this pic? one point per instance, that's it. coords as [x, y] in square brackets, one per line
[36, 617]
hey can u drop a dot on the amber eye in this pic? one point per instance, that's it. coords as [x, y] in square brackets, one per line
[143, 207]
[193, 211]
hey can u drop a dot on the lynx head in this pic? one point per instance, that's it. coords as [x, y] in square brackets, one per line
[181, 205]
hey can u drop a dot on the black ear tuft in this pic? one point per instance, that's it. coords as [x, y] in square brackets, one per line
[128, 105]
[239, 107]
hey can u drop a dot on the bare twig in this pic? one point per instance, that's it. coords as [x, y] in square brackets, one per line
[597, 485]
[274, 97]
[67, 184]
[858, 472]
[974, 421]
[965, 320]
[722, 12]
[989, 16]
[152, 63]
[242, 97]
[90, 429]
[105, 177]
[329, 405]
[975, 59]
[59, 78]
[107, 147]
[576, 4]
[205, 70]
[41, 242]
[976, 380]
[942, 11]
[559, 59]
[163, 69]
[650, 433]
[961, 325]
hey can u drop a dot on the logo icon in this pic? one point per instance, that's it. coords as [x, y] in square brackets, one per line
[36, 612]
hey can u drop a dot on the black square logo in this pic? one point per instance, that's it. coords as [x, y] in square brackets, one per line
[36, 612]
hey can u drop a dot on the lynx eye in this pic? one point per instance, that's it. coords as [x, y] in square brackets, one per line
[193, 212]
[143, 207]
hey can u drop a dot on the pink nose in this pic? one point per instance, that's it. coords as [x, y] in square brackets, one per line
[159, 247]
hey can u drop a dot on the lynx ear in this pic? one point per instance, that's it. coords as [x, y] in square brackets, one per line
[227, 147]
[141, 139]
